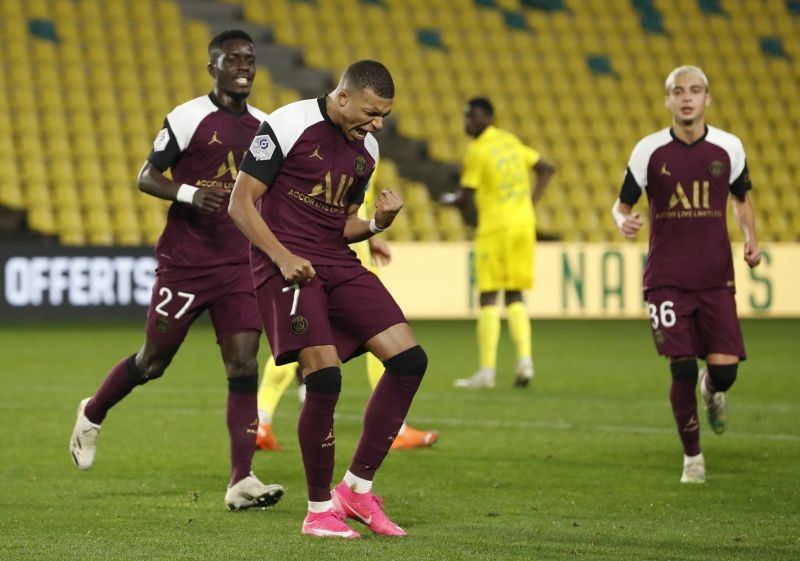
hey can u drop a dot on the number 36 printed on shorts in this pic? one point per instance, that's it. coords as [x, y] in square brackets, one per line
[166, 296]
[662, 315]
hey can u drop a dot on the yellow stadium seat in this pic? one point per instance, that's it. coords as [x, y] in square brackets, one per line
[11, 193]
[41, 218]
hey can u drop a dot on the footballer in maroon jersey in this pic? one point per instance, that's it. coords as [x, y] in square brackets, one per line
[687, 172]
[203, 262]
[296, 199]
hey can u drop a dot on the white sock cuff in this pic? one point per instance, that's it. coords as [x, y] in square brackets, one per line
[319, 506]
[691, 459]
[357, 484]
[264, 417]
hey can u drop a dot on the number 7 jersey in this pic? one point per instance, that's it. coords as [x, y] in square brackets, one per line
[687, 188]
[313, 173]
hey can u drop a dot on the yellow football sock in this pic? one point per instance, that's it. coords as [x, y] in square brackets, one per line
[519, 324]
[374, 370]
[488, 336]
[274, 382]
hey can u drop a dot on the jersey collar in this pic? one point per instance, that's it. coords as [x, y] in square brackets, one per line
[689, 144]
[215, 100]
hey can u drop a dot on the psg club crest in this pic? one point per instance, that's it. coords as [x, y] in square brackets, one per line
[299, 325]
[360, 165]
[262, 147]
[716, 168]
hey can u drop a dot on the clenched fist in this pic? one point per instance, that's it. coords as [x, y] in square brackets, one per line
[387, 206]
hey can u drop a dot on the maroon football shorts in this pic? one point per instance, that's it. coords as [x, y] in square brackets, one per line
[181, 294]
[341, 306]
[695, 323]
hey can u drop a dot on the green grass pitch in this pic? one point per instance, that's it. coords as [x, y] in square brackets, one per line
[584, 464]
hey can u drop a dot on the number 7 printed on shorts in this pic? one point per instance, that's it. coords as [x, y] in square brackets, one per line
[166, 294]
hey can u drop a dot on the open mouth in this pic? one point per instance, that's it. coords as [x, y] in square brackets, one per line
[242, 81]
[359, 133]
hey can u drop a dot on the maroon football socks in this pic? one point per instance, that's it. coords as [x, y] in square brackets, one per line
[119, 383]
[242, 419]
[684, 408]
[385, 413]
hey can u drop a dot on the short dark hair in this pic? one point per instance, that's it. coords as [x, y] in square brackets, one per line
[482, 103]
[372, 75]
[215, 46]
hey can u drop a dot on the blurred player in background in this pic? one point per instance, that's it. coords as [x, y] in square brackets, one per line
[372, 253]
[203, 263]
[496, 184]
[687, 171]
[296, 198]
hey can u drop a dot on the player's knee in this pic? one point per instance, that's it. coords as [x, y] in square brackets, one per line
[241, 366]
[243, 384]
[325, 380]
[723, 375]
[512, 297]
[411, 362]
[150, 368]
[684, 370]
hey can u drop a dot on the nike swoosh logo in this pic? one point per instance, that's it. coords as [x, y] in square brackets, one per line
[358, 515]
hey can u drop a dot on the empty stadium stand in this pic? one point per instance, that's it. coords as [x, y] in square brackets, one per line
[84, 85]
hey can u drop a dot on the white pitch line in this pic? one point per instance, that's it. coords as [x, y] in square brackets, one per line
[567, 426]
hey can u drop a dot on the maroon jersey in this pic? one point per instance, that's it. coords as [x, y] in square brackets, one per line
[203, 143]
[313, 173]
[687, 187]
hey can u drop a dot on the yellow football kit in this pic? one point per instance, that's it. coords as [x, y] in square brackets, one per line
[497, 165]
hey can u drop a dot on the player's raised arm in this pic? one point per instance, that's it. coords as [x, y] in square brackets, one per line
[387, 206]
[242, 209]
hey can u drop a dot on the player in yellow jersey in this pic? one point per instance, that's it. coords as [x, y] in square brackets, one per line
[496, 183]
[373, 253]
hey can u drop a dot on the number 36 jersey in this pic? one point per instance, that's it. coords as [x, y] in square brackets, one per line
[313, 172]
[687, 188]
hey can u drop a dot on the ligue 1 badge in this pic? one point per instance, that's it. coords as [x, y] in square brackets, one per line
[360, 165]
[299, 325]
[161, 140]
[262, 147]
